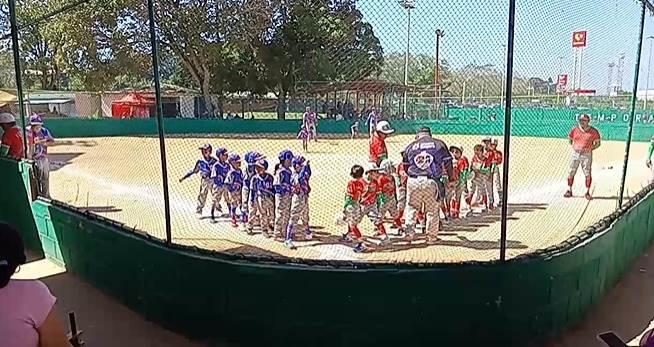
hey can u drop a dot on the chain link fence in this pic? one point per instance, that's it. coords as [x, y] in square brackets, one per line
[307, 82]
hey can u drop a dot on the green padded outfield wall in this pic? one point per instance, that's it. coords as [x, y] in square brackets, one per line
[555, 123]
[211, 296]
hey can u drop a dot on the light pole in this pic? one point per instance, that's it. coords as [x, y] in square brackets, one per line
[649, 67]
[408, 6]
[437, 80]
[503, 75]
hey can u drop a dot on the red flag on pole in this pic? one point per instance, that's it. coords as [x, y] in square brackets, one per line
[579, 39]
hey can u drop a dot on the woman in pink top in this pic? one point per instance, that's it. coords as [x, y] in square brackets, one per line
[27, 318]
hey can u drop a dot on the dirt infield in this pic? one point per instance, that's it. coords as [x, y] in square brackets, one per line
[120, 178]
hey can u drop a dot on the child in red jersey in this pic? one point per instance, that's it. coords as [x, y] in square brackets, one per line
[352, 208]
[481, 168]
[495, 157]
[460, 185]
[388, 190]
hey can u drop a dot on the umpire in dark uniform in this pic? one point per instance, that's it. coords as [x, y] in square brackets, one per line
[429, 161]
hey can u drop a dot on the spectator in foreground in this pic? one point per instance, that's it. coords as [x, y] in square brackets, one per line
[28, 317]
[12, 138]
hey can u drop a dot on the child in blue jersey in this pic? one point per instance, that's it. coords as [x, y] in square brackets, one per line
[282, 186]
[247, 206]
[218, 175]
[203, 167]
[234, 183]
[262, 195]
[300, 200]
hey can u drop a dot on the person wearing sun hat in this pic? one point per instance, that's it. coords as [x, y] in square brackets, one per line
[377, 149]
[39, 139]
[11, 144]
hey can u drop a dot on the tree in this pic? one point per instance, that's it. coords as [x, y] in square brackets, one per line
[317, 40]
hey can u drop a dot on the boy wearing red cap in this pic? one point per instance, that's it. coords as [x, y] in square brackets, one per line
[584, 140]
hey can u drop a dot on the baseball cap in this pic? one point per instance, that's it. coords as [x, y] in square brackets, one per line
[487, 139]
[459, 147]
[6, 118]
[205, 147]
[221, 151]
[493, 141]
[370, 166]
[386, 165]
[36, 120]
[384, 127]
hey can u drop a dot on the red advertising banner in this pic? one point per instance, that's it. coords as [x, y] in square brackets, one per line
[579, 39]
[562, 80]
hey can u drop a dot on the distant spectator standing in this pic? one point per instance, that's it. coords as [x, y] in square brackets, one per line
[11, 144]
[39, 139]
[28, 317]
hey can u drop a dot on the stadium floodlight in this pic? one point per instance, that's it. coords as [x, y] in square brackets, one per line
[407, 4]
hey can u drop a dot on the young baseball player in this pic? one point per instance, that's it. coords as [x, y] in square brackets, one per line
[388, 190]
[401, 191]
[460, 186]
[496, 159]
[354, 130]
[248, 207]
[352, 207]
[370, 200]
[481, 168]
[648, 161]
[219, 173]
[234, 184]
[262, 195]
[309, 122]
[300, 200]
[283, 193]
[584, 140]
[203, 167]
[303, 136]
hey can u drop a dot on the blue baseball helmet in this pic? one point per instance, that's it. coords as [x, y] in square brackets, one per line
[206, 147]
[36, 119]
[285, 155]
[234, 157]
[299, 160]
[262, 163]
[221, 151]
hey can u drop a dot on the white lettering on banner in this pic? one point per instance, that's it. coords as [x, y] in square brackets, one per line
[613, 117]
[625, 117]
[423, 160]
[600, 118]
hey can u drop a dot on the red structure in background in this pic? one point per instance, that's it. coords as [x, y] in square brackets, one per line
[133, 105]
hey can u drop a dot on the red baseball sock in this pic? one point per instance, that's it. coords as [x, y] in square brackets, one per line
[589, 181]
[484, 200]
[571, 181]
[381, 229]
[355, 230]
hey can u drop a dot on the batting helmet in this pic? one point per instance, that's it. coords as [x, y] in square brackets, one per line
[285, 155]
[220, 151]
[299, 160]
[234, 157]
[262, 163]
[459, 147]
[206, 147]
[36, 120]
[387, 166]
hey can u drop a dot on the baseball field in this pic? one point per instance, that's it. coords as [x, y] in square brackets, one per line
[120, 178]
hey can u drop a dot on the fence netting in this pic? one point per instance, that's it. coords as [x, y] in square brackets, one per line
[285, 122]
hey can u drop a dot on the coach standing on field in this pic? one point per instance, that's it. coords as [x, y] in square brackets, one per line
[378, 151]
[428, 161]
[584, 140]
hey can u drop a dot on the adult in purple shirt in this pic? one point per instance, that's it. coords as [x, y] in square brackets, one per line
[40, 138]
[429, 165]
[27, 317]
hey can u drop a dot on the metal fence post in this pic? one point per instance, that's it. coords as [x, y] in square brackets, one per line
[19, 79]
[160, 125]
[633, 103]
[507, 129]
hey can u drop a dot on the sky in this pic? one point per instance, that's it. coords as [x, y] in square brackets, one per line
[475, 31]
